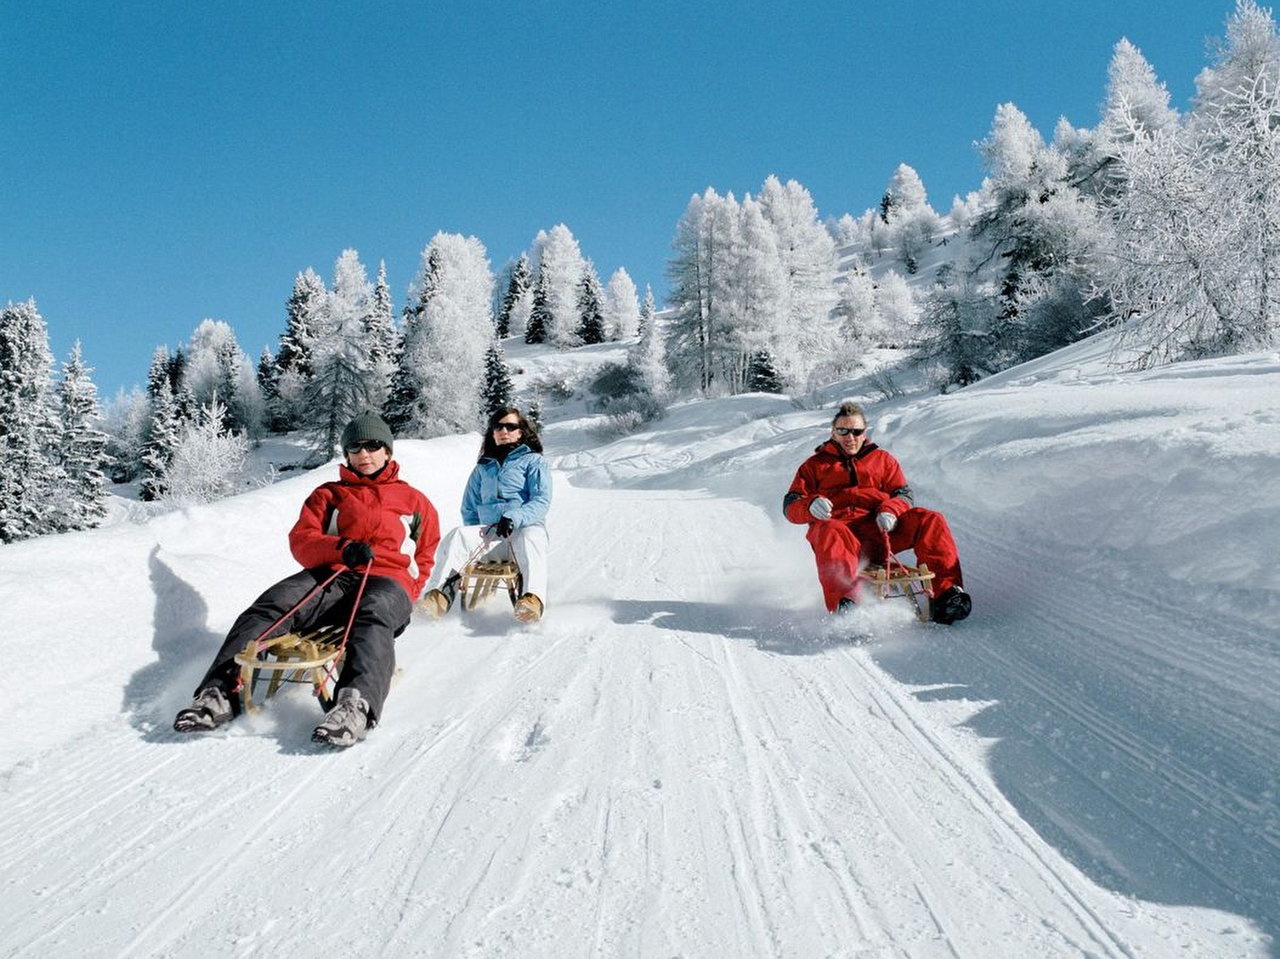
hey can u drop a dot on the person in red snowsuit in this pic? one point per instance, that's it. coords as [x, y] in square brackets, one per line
[851, 493]
[368, 520]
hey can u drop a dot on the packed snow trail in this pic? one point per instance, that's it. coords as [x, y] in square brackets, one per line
[685, 758]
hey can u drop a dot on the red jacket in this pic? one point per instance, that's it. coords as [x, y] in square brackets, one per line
[396, 520]
[859, 486]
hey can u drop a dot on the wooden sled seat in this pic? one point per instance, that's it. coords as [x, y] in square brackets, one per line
[913, 582]
[483, 577]
[311, 657]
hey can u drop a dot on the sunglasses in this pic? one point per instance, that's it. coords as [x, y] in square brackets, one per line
[505, 427]
[368, 446]
[848, 430]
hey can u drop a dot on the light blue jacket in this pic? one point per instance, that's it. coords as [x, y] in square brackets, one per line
[519, 487]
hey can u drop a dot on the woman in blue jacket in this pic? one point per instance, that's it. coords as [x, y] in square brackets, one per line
[506, 502]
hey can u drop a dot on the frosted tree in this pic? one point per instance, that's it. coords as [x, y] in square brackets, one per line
[269, 388]
[648, 356]
[207, 458]
[30, 477]
[82, 450]
[1244, 71]
[293, 357]
[499, 391]
[1136, 106]
[159, 371]
[955, 322]
[1045, 236]
[518, 292]
[163, 434]
[896, 306]
[126, 420]
[216, 365]
[621, 306]
[906, 213]
[762, 374]
[344, 380]
[560, 265]
[648, 308]
[442, 364]
[699, 345]
[306, 301]
[808, 259]
[860, 324]
[539, 321]
[591, 328]
[1198, 225]
[757, 298]
[384, 340]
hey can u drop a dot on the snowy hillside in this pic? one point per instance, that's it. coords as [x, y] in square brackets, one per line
[686, 757]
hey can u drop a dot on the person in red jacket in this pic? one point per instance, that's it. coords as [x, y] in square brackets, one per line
[369, 519]
[851, 493]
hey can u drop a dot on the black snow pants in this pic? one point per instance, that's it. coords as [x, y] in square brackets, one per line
[370, 659]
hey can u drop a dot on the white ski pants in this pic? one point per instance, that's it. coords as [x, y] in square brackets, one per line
[528, 547]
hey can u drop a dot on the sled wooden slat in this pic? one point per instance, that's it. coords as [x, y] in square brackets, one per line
[913, 582]
[305, 657]
[482, 578]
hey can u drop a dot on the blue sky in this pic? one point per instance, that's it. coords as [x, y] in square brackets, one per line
[168, 162]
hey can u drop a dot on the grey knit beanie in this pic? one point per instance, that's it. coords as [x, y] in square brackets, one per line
[367, 426]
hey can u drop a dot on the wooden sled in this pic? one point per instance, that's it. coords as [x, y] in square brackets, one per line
[482, 578]
[311, 657]
[913, 582]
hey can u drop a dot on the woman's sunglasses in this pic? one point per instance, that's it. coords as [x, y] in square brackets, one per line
[848, 430]
[505, 427]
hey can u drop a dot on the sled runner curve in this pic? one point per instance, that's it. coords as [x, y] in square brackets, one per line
[313, 656]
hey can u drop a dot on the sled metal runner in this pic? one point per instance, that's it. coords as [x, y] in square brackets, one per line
[897, 579]
[311, 657]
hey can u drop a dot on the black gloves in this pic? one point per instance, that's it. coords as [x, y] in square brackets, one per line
[504, 527]
[356, 554]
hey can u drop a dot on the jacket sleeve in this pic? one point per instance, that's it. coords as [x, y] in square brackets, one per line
[309, 541]
[895, 484]
[537, 491]
[471, 499]
[427, 543]
[802, 492]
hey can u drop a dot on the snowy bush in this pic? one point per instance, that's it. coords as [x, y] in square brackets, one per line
[207, 459]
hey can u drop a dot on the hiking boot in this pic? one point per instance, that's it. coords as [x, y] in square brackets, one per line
[529, 608]
[346, 723]
[439, 601]
[436, 603]
[951, 606]
[847, 606]
[209, 710]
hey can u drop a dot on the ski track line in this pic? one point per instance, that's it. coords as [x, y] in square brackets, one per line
[52, 820]
[115, 866]
[1176, 774]
[941, 759]
[749, 719]
[1239, 727]
[895, 829]
[1198, 789]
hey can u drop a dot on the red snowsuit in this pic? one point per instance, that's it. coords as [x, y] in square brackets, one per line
[859, 487]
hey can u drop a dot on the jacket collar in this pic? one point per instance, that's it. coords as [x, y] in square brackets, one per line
[520, 449]
[832, 448]
[388, 474]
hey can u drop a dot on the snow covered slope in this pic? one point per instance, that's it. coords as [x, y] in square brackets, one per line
[685, 758]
